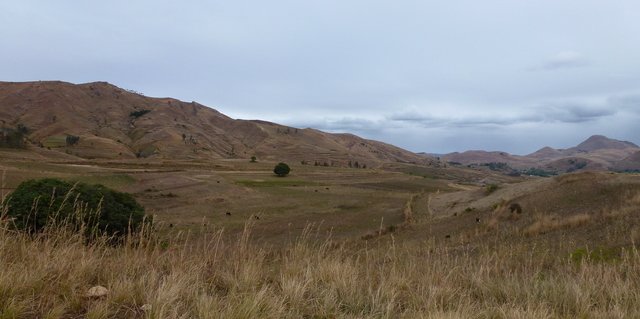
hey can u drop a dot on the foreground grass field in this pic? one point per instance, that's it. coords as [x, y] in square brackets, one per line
[399, 241]
[48, 276]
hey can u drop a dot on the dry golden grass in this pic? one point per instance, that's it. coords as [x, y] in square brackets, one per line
[546, 223]
[47, 276]
[499, 274]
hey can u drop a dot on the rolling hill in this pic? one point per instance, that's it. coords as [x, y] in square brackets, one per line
[595, 153]
[629, 164]
[114, 123]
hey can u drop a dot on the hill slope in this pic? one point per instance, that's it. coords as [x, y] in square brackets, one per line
[631, 163]
[115, 123]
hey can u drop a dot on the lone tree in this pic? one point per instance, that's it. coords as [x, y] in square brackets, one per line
[254, 159]
[72, 140]
[281, 169]
[37, 204]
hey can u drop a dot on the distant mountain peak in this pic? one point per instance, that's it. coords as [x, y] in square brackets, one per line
[597, 142]
[545, 152]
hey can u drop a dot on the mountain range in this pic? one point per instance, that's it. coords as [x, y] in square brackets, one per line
[105, 121]
[101, 120]
[597, 152]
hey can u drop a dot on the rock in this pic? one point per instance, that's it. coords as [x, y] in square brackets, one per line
[97, 292]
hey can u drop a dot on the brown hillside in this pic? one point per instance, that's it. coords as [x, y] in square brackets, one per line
[596, 153]
[104, 117]
[480, 157]
[586, 208]
[631, 163]
[545, 153]
[597, 142]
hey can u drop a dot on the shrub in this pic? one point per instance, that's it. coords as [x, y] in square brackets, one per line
[146, 151]
[72, 140]
[281, 169]
[139, 113]
[491, 188]
[254, 159]
[36, 204]
[538, 172]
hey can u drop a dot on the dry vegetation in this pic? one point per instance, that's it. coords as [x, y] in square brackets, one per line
[554, 260]
[47, 276]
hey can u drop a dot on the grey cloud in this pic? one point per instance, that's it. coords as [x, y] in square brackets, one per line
[564, 60]
[567, 113]
[346, 124]
[626, 102]
[572, 112]
[425, 120]
[579, 114]
[415, 117]
[468, 121]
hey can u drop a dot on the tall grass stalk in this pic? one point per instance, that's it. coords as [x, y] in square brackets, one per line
[48, 275]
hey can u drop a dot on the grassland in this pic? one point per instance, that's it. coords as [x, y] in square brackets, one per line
[226, 193]
[310, 277]
[438, 245]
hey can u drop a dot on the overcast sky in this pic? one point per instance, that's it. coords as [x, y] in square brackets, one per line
[433, 76]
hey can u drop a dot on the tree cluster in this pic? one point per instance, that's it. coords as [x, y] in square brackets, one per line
[138, 113]
[13, 137]
[357, 165]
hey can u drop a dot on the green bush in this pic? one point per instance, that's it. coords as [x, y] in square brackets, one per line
[36, 204]
[138, 113]
[281, 169]
[71, 140]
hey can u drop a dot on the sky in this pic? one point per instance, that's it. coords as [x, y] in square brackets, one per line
[428, 76]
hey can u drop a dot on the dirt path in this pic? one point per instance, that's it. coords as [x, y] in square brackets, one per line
[461, 187]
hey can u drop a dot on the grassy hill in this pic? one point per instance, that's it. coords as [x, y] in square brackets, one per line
[113, 123]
